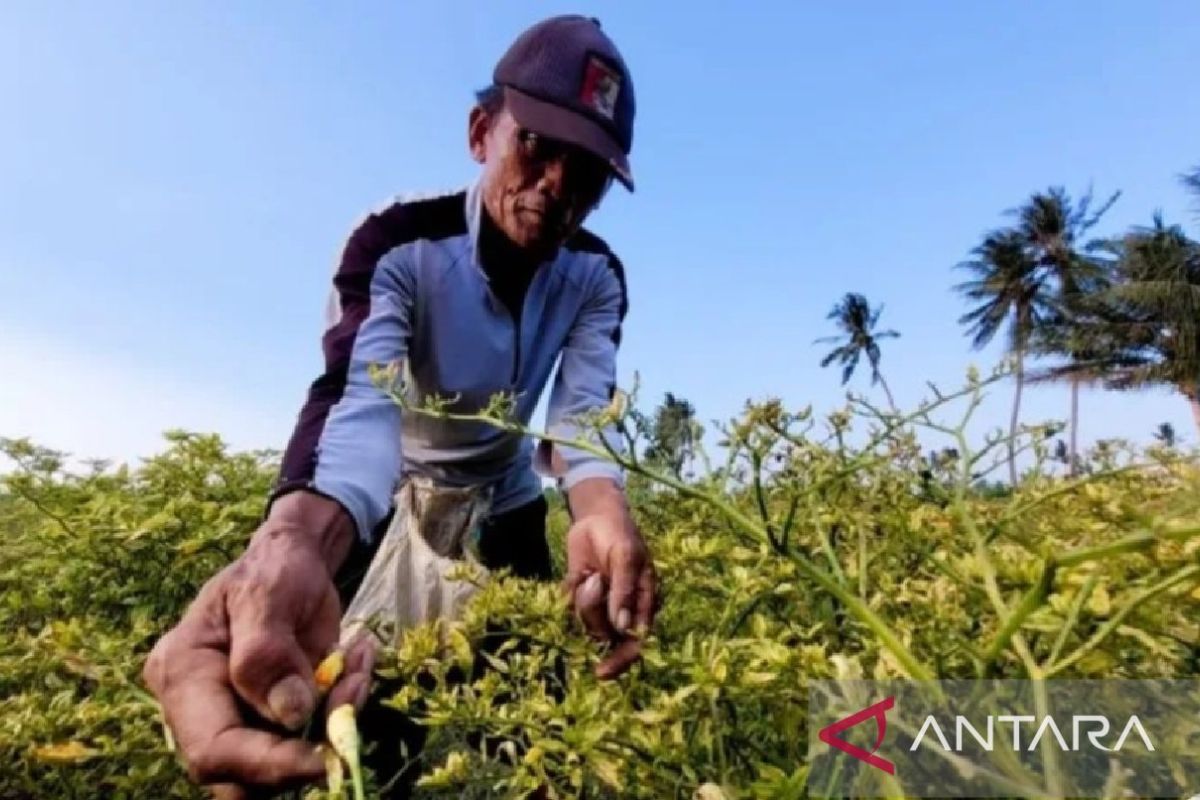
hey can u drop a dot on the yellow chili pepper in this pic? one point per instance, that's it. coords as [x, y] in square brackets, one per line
[334, 776]
[329, 670]
[343, 735]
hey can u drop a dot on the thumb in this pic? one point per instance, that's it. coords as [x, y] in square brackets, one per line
[277, 634]
[271, 673]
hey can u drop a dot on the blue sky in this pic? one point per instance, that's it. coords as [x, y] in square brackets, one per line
[178, 179]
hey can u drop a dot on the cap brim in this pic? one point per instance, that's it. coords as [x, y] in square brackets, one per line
[569, 126]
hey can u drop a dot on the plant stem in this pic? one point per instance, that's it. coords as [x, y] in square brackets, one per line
[1067, 488]
[860, 610]
[761, 498]
[1142, 540]
[991, 585]
[827, 548]
[1072, 617]
[887, 390]
[785, 532]
[1175, 578]
[862, 562]
[1032, 601]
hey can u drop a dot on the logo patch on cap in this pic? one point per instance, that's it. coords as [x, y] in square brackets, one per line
[601, 86]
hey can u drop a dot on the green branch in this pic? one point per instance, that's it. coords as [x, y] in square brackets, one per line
[1073, 612]
[1110, 627]
[1031, 602]
[1142, 540]
[860, 610]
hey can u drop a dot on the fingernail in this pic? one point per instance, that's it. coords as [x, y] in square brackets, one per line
[623, 620]
[290, 701]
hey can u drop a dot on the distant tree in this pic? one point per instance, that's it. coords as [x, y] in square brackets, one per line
[673, 434]
[1165, 434]
[1053, 228]
[1009, 293]
[1191, 182]
[857, 320]
[1150, 323]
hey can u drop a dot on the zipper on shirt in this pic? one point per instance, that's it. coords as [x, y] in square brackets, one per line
[516, 365]
[516, 334]
[514, 321]
[517, 322]
[516, 370]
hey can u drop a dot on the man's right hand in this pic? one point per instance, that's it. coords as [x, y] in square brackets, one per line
[242, 656]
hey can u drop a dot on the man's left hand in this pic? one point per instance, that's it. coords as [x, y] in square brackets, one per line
[605, 550]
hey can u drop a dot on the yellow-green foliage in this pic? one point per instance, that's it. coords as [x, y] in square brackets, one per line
[93, 568]
[822, 548]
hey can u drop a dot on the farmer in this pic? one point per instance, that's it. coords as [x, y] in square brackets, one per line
[467, 295]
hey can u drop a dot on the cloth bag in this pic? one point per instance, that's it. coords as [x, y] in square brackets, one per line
[416, 574]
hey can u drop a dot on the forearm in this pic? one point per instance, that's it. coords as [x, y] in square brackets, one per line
[598, 497]
[311, 520]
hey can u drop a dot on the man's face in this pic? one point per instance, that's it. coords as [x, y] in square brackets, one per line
[537, 190]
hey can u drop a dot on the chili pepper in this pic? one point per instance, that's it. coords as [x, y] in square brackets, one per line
[343, 735]
[329, 670]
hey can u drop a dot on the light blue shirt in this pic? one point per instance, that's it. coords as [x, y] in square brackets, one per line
[431, 311]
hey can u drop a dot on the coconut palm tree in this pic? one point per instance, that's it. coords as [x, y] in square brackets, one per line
[856, 320]
[1069, 335]
[1008, 292]
[1164, 434]
[1153, 314]
[1191, 181]
[1053, 227]
[1144, 329]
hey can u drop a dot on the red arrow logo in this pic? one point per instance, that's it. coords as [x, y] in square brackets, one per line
[878, 711]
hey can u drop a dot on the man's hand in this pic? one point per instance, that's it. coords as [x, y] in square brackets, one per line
[610, 576]
[242, 657]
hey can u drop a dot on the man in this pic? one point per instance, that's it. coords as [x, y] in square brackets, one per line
[470, 294]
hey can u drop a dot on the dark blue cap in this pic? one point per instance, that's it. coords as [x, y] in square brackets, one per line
[565, 79]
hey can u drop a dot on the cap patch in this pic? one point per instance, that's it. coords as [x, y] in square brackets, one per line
[601, 85]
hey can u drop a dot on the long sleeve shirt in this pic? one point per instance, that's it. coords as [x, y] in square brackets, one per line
[410, 290]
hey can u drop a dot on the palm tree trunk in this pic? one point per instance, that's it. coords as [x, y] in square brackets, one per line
[1016, 413]
[1074, 424]
[888, 392]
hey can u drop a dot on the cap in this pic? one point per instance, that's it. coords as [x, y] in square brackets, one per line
[565, 79]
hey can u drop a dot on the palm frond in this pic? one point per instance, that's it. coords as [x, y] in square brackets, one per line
[850, 364]
[1191, 182]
